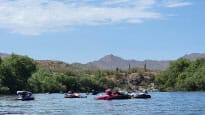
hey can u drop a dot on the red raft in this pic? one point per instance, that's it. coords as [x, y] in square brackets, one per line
[110, 96]
[113, 96]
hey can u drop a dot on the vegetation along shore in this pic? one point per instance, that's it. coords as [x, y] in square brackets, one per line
[23, 73]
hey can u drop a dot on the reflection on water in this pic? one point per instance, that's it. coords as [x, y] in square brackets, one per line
[55, 104]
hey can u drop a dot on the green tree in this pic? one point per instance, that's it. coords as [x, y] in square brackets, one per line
[35, 82]
[183, 75]
[15, 71]
[167, 79]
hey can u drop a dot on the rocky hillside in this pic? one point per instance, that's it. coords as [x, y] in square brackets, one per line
[56, 66]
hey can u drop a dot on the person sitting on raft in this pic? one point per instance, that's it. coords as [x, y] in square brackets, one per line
[72, 93]
[108, 92]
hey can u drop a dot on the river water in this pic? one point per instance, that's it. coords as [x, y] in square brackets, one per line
[161, 103]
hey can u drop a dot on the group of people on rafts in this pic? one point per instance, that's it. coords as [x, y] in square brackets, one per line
[109, 95]
[122, 95]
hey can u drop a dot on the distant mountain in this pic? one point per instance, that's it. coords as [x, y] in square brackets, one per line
[4, 55]
[194, 56]
[111, 62]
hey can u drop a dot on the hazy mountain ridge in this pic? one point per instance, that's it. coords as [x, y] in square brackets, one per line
[194, 56]
[111, 62]
[4, 55]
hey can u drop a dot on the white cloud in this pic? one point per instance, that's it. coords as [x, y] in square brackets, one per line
[33, 17]
[139, 4]
[176, 3]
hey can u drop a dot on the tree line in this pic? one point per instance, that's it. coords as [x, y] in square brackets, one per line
[22, 73]
[183, 75]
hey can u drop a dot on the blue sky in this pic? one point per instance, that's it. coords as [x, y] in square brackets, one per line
[86, 30]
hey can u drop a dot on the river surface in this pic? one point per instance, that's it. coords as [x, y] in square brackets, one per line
[161, 103]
